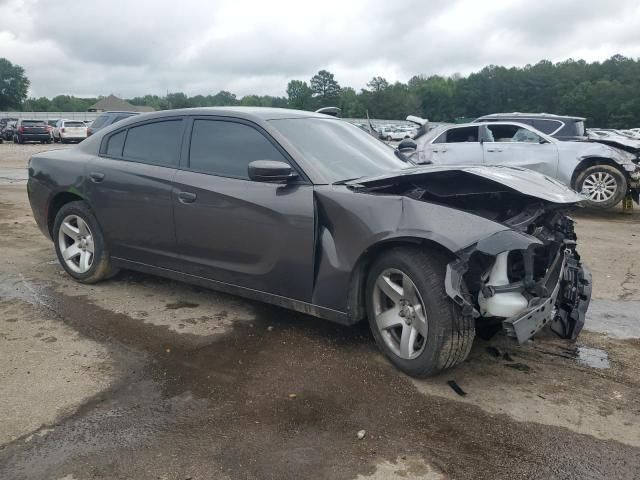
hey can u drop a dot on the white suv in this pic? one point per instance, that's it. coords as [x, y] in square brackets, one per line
[602, 173]
[69, 131]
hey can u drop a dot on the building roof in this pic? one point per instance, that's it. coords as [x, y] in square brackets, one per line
[111, 103]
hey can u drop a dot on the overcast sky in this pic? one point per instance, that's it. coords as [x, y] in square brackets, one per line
[134, 47]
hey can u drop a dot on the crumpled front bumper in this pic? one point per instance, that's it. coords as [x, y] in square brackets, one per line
[565, 308]
[563, 295]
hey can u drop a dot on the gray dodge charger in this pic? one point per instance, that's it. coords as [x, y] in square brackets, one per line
[309, 212]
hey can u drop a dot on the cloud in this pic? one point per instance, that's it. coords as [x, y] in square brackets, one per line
[199, 47]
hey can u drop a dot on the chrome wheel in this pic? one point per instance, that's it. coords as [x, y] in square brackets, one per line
[400, 314]
[600, 186]
[76, 244]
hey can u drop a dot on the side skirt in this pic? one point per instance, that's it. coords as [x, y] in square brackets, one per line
[289, 303]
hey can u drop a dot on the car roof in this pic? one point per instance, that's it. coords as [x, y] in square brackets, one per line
[120, 111]
[248, 113]
[533, 115]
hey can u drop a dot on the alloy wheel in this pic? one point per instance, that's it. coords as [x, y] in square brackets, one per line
[400, 315]
[600, 186]
[75, 242]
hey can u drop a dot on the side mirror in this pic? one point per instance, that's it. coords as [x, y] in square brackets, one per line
[270, 171]
[407, 144]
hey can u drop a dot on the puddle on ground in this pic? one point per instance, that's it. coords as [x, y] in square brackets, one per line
[592, 357]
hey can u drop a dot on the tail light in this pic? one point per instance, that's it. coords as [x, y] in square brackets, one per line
[62, 129]
[21, 129]
[49, 128]
[89, 132]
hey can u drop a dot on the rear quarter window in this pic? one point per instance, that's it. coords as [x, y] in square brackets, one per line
[100, 121]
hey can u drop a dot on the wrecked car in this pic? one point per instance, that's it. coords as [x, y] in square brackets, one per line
[310, 213]
[603, 174]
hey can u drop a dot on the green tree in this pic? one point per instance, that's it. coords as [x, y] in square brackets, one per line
[325, 89]
[299, 95]
[14, 85]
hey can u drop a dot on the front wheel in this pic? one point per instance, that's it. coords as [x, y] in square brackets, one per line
[80, 245]
[605, 186]
[414, 322]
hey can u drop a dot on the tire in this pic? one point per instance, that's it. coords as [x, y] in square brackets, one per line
[449, 334]
[606, 186]
[99, 265]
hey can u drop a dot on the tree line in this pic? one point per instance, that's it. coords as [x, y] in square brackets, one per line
[607, 93]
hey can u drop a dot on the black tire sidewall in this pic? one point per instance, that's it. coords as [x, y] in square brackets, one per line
[621, 182]
[100, 266]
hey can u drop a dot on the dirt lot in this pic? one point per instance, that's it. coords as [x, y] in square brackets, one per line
[144, 378]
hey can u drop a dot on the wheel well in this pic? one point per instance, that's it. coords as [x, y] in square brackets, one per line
[56, 204]
[356, 306]
[590, 162]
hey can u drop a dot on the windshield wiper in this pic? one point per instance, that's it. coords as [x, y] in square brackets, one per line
[346, 180]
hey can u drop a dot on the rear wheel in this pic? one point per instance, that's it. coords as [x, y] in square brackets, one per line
[80, 245]
[414, 322]
[605, 186]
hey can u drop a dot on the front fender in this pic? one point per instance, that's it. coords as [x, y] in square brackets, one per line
[351, 225]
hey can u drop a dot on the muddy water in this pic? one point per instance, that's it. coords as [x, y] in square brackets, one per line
[191, 406]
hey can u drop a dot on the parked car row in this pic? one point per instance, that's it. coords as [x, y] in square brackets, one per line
[21, 130]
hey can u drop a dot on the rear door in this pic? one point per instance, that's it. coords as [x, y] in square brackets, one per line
[230, 229]
[130, 187]
[518, 146]
[457, 146]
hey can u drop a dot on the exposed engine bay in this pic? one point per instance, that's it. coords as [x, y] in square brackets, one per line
[522, 278]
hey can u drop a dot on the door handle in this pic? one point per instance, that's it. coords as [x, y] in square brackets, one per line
[96, 177]
[187, 197]
[493, 150]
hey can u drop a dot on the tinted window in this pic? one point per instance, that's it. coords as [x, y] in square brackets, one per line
[117, 118]
[100, 121]
[74, 124]
[33, 123]
[154, 142]
[547, 126]
[227, 148]
[115, 143]
[459, 135]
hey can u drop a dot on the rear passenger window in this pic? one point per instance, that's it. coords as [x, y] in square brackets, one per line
[547, 126]
[98, 122]
[115, 143]
[155, 143]
[227, 148]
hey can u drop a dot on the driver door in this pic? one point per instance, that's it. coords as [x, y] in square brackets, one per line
[231, 229]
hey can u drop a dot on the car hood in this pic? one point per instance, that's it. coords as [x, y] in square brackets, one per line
[521, 180]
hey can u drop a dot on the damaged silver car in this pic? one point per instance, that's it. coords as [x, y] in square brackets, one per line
[602, 173]
[310, 213]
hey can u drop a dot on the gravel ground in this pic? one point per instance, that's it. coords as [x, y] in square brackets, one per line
[140, 377]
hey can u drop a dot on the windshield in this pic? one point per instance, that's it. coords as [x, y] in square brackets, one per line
[339, 150]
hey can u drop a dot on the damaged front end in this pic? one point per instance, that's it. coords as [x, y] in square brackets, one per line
[523, 276]
[526, 277]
